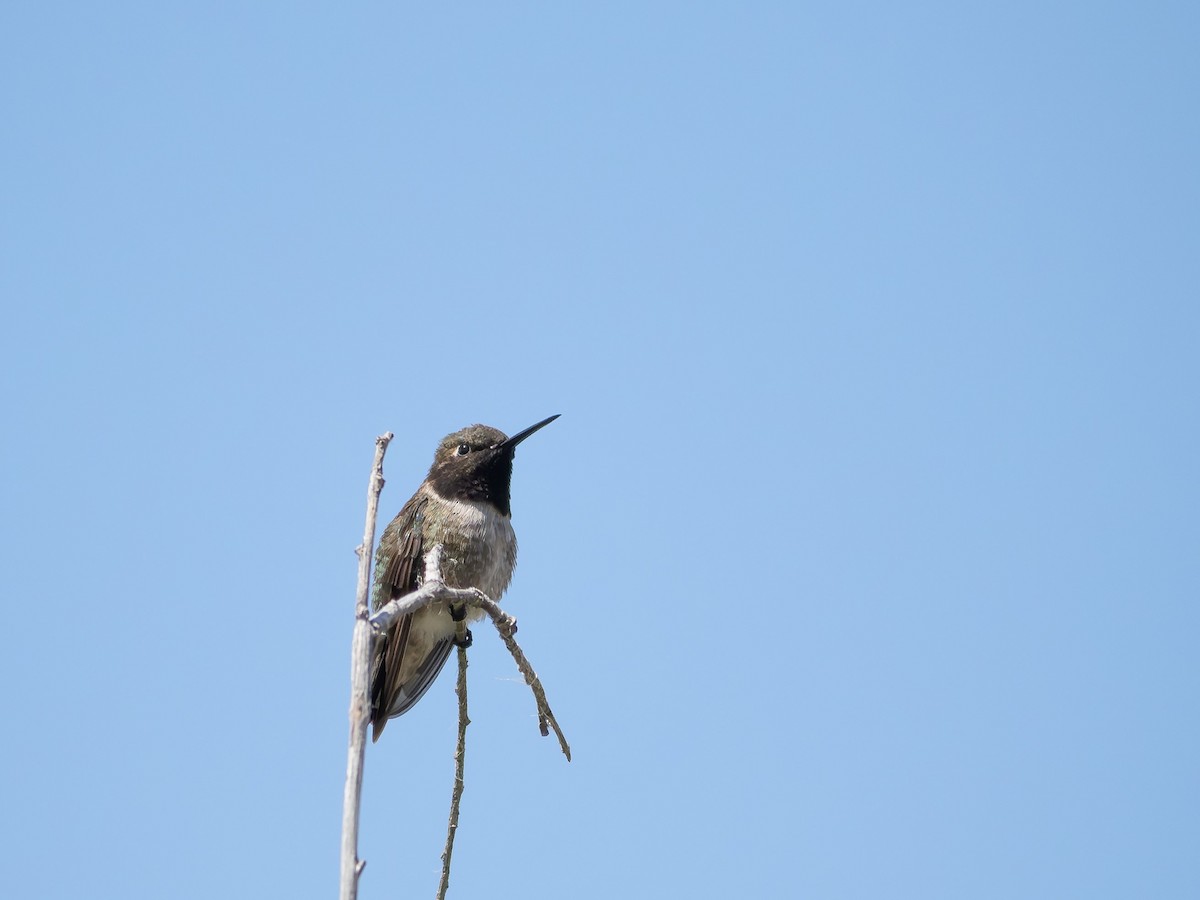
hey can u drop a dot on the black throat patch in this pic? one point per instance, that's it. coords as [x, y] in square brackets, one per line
[484, 476]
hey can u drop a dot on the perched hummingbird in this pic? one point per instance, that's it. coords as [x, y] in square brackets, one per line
[463, 504]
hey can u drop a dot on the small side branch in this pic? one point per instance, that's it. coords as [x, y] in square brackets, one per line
[459, 761]
[435, 590]
[360, 664]
[507, 626]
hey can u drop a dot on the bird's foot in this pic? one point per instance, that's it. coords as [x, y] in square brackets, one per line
[465, 640]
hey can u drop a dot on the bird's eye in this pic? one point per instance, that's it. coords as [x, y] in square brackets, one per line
[464, 449]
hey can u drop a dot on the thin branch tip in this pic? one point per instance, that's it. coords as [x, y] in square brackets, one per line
[360, 662]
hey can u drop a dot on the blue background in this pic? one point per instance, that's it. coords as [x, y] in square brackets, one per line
[863, 561]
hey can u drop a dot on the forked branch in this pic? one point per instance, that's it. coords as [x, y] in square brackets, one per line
[434, 590]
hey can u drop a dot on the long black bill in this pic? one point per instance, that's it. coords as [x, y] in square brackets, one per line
[512, 442]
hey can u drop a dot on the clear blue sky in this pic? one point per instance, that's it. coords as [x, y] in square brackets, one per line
[863, 562]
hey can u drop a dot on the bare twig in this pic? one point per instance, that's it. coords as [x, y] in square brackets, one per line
[459, 761]
[507, 626]
[435, 590]
[360, 664]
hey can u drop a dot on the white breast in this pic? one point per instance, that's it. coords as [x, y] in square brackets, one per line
[490, 552]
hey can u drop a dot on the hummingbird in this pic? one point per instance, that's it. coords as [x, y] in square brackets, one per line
[463, 504]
